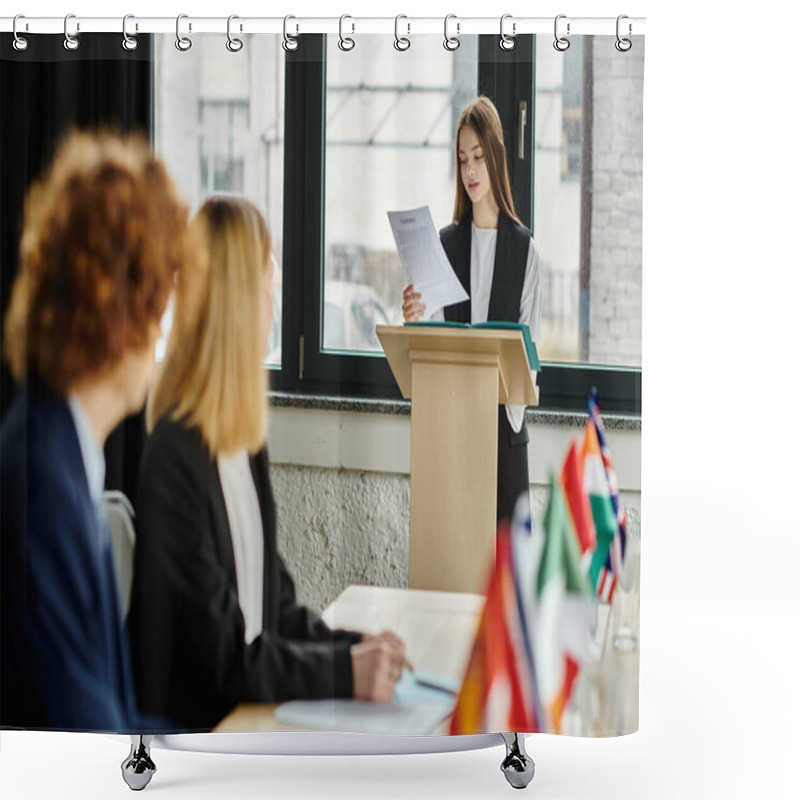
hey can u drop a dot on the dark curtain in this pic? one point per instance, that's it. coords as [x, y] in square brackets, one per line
[45, 91]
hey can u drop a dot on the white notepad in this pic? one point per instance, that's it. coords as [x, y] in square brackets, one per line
[416, 711]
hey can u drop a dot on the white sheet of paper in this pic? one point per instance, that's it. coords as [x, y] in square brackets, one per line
[424, 261]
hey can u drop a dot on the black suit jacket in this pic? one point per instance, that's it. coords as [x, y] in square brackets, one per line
[191, 661]
[510, 263]
[508, 277]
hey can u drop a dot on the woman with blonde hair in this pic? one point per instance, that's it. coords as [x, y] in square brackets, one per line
[497, 261]
[214, 619]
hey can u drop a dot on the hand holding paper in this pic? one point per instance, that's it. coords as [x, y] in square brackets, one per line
[424, 261]
[413, 307]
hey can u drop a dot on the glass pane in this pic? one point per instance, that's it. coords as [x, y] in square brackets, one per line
[588, 201]
[219, 129]
[390, 123]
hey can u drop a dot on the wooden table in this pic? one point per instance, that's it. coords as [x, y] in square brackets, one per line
[437, 627]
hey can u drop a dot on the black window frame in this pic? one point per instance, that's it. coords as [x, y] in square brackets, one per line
[504, 76]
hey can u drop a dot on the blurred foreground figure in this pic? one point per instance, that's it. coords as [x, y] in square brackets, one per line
[104, 233]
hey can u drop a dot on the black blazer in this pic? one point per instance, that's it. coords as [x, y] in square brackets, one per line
[505, 298]
[510, 263]
[191, 662]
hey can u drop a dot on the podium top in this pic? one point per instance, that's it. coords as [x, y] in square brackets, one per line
[403, 344]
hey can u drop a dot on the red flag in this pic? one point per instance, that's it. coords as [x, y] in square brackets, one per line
[577, 499]
[497, 688]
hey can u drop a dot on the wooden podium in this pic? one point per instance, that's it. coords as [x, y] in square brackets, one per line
[455, 378]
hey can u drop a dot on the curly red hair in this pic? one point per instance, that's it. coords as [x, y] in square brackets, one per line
[104, 234]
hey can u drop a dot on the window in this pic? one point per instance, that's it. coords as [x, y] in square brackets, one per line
[223, 131]
[571, 96]
[389, 126]
[219, 129]
[372, 130]
[588, 223]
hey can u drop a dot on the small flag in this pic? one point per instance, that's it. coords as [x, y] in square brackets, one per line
[564, 611]
[619, 541]
[578, 502]
[527, 541]
[497, 693]
[595, 483]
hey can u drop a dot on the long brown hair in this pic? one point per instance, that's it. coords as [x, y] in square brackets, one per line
[212, 375]
[481, 115]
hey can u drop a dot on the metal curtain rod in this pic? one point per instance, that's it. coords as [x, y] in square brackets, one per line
[300, 25]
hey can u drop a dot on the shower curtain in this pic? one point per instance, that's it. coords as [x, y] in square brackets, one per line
[325, 134]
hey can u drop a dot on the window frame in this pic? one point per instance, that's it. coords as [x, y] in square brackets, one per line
[306, 368]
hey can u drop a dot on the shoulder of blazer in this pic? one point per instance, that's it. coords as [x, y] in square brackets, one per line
[175, 443]
[456, 229]
[455, 239]
[517, 227]
[176, 433]
[37, 425]
[448, 232]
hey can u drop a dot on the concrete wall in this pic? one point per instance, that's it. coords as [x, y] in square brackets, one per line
[338, 527]
[341, 483]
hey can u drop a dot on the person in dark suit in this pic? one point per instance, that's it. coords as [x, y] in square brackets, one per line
[104, 232]
[496, 259]
[214, 619]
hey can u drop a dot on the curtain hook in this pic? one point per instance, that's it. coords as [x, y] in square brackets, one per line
[451, 42]
[129, 42]
[401, 43]
[561, 43]
[182, 42]
[345, 42]
[234, 45]
[623, 45]
[20, 42]
[289, 42]
[71, 42]
[507, 42]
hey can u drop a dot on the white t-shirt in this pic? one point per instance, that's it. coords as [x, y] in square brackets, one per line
[247, 535]
[484, 245]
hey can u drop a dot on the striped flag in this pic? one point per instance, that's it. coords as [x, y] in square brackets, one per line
[595, 484]
[578, 503]
[497, 693]
[527, 541]
[620, 537]
[564, 616]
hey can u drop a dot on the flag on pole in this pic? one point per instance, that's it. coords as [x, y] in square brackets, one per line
[578, 503]
[620, 537]
[527, 541]
[497, 691]
[564, 615]
[595, 483]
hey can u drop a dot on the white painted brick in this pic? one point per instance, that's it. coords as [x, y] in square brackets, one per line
[621, 183]
[623, 236]
[602, 183]
[618, 328]
[631, 201]
[608, 162]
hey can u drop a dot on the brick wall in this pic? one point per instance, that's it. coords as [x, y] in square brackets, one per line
[616, 254]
